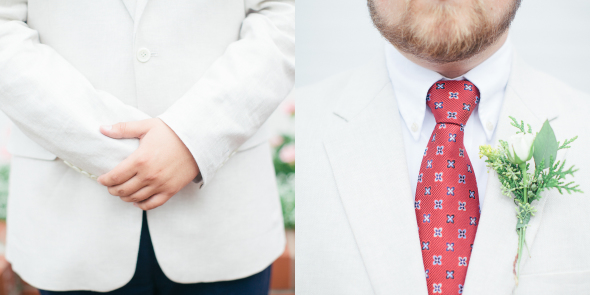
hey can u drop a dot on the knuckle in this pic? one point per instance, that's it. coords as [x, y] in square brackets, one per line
[120, 192]
[142, 160]
[151, 177]
[114, 178]
[161, 186]
[165, 190]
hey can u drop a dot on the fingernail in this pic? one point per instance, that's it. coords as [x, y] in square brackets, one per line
[136, 205]
[107, 127]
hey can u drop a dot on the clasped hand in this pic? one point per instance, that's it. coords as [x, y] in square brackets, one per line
[160, 167]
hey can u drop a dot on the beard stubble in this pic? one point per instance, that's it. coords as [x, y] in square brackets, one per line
[441, 33]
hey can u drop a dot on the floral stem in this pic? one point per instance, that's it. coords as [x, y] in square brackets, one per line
[521, 236]
[522, 230]
[525, 180]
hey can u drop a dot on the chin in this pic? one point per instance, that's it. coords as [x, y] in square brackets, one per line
[441, 31]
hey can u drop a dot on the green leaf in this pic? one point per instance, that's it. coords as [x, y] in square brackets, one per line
[546, 146]
[523, 223]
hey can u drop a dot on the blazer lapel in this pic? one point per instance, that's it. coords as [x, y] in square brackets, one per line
[130, 6]
[494, 251]
[135, 9]
[366, 151]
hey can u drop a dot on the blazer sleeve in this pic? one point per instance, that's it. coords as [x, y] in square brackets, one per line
[53, 103]
[241, 89]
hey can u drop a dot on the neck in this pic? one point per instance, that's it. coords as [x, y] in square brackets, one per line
[459, 68]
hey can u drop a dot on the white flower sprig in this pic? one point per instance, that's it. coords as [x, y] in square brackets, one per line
[510, 159]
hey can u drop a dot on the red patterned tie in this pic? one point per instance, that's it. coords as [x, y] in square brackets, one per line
[447, 202]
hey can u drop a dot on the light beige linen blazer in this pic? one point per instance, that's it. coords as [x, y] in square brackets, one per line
[212, 70]
[356, 224]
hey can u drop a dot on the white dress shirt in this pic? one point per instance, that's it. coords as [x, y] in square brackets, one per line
[411, 83]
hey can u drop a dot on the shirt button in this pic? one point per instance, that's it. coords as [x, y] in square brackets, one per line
[490, 126]
[414, 127]
[143, 55]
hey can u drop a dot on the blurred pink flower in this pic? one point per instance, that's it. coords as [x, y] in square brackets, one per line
[4, 155]
[276, 141]
[287, 154]
[289, 107]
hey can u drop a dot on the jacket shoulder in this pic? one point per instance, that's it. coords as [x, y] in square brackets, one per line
[317, 100]
[341, 94]
[547, 95]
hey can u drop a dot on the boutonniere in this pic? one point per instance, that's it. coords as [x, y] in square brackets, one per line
[524, 180]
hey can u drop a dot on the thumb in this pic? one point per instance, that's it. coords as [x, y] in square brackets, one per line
[135, 129]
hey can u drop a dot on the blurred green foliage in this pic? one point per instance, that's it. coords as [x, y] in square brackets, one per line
[4, 171]
[280, 166]
[285, 173]
[286, 185]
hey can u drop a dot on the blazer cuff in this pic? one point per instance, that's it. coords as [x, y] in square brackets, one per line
[199, 180]
[204, 161]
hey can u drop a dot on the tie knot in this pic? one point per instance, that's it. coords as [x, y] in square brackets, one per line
[452, 101]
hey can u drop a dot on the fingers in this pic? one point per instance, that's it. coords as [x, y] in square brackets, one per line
[141, 195]
[127, 188]
[120, 174]
[154, 201]
[134, 129]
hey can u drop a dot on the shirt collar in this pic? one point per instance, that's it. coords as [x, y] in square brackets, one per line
[411, 83]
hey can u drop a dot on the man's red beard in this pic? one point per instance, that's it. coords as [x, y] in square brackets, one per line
[439, 33]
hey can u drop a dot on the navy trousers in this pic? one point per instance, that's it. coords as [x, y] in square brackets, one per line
[150, 280]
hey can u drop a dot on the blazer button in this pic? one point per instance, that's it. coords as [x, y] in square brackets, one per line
[143, 55]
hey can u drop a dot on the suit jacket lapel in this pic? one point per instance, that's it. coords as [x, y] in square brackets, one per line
[366, 151]
[496, 242]
[130, 6]
[135, 9]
